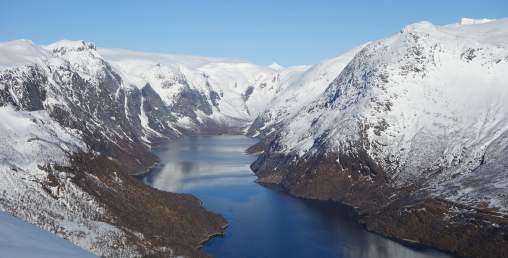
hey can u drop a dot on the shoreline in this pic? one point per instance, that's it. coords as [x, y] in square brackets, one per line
[158, 164]
[211, 236]
[427, 222]
[357, 219]
[146, 171]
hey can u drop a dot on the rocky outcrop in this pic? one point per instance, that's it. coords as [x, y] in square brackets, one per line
[456, 228]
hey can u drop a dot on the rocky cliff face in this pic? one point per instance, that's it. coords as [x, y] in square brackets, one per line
[402, 133]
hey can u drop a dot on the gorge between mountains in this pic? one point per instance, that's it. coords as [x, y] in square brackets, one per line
[408, 136]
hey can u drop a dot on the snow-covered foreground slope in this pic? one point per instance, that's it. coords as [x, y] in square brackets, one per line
[22, 240]
[31, 143]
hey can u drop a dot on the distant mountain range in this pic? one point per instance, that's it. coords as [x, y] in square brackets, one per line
[411, 130]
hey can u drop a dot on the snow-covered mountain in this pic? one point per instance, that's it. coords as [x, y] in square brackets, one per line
[201, 93]
[411, 130]
[428, 98]
[49, 179]
[422, 115]
[72, 131]
[300, 90]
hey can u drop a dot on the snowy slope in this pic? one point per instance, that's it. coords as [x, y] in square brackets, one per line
[31, 141]
[300, 90]
[226, 91]
[62, 99]
[428, 105]
[79, 90]
[20, 52]
[22, 240]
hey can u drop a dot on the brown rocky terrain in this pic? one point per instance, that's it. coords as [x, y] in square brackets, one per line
[171, 224]
[406, 214]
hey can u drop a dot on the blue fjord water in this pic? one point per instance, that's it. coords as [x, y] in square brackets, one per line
[264, 222]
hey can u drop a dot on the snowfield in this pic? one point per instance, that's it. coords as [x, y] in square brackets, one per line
[22, 240]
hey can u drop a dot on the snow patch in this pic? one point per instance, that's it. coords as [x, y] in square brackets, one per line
[469, 21]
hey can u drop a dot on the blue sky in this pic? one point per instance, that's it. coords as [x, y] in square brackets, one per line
[261, 31]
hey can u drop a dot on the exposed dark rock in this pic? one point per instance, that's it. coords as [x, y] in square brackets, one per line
[29, 92]
[215, 98]
[248, 92]
[100, 114]
[402, 213]
[189, 101]
[452, 227]
[158, 115]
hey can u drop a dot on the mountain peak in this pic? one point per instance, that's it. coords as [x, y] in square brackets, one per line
[418, 27]
[65, 45]
[276, 66]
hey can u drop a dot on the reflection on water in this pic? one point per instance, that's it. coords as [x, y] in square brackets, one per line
[202, 161]
[264, 222]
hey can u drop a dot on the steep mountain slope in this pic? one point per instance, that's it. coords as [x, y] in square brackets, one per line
[202, 94]
[72, 131]
[300, 90]
[415, 125]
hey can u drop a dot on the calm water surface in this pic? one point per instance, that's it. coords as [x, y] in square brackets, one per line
[264, 222]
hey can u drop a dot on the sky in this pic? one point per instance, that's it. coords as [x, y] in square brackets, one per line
[261, 31]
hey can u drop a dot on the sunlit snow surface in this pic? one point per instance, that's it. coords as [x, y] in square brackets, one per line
[169, 75]
[428, 98]
[31, 139]
[19, 239]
